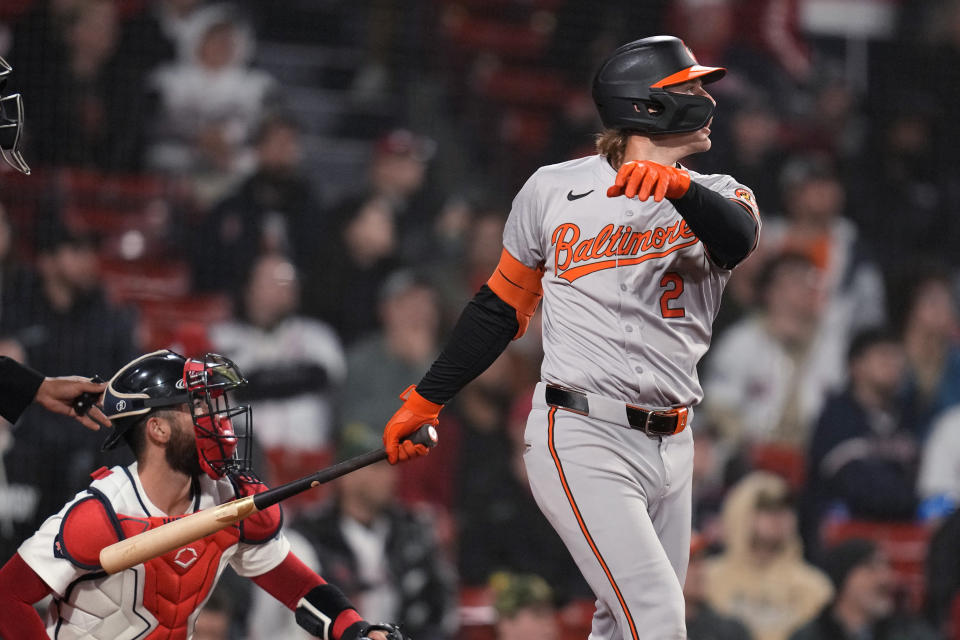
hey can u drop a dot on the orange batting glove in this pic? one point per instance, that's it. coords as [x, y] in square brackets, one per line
[415, 412]
[643, 178]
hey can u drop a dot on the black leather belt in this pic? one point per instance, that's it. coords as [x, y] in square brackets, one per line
[652, 423]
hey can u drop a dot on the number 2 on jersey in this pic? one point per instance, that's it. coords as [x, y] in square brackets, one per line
[673, 287]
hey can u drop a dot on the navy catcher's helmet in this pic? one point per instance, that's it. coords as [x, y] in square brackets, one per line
[11, 123]
[167, 379]
[631, 87]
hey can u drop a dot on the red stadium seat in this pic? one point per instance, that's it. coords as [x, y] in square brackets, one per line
[477, 615]
[905, 544]
[286, 465]
[168, 322]
[133, 281]
[784, 460]
[528, 87]
[576, 619]
[522, 41]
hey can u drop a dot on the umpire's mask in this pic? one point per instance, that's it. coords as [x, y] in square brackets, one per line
[11, 123]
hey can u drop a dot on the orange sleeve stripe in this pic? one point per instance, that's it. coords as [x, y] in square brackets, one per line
[517, 284]
[518, 273]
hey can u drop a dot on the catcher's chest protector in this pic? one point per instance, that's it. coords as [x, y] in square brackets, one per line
[158, 599]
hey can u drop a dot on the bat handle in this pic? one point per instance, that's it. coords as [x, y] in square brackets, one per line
[425, 435]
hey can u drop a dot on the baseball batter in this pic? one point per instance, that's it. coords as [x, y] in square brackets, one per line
[175, 415]
[630, 253]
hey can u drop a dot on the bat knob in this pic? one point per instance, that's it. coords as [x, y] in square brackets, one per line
[425, 435]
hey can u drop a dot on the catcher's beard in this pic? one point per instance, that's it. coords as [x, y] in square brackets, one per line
[182, 455]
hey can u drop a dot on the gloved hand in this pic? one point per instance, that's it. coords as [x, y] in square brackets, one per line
[657, 179]
[381, 632]
[415, 412]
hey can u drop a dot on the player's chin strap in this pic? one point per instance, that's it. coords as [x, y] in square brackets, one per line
[319, 613]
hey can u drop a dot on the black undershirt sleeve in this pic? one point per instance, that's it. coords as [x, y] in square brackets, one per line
[485, 328]
[726, 228]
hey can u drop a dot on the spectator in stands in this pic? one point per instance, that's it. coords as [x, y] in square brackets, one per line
[902, 191]
[407, 342]
[942, 584]
[938, 481]
[213, 623]
[761, 577]
[398, 174]
[769, 373]
[834, 123]
[383, 555]
[703, 623]
[814, 197]
[525, 607]
[88, 116]
[499, 527]
[295, 364]
[210, 103]
[16, 280]
[714, 466]
[398, 170]
[933, 353]
[863, 605]
[273, 210]
[462, 274]
[155, 35]
[862, 462]
[69, 326]
[756, 153]
[350, 267]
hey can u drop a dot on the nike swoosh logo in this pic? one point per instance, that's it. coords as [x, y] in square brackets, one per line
[571, 197]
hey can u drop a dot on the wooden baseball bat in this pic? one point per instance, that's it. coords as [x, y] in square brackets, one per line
[142, 547]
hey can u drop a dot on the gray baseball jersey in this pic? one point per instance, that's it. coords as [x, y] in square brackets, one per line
[629, 298]
[629, 294]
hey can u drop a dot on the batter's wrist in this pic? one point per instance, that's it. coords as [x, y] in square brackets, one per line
[420, 405]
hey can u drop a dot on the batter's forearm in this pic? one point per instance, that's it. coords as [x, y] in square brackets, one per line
[727, 229]
[485, 328]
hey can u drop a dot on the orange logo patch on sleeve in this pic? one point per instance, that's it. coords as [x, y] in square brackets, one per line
[746, 196]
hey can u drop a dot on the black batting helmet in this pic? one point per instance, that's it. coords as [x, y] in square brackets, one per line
[631, 87]
[11, 123]
[167, 379]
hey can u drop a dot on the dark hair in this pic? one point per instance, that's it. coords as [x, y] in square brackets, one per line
[57, 235]
[867, 339]
[775, 500]
[136, 436]
[274, 121]
[772, 267]
[841, 559]
[908, 286]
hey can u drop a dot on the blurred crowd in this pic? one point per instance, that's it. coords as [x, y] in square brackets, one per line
[315, 189]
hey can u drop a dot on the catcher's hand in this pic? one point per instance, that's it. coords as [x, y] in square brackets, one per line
[382, 632]
[645, 178]
[415, 412]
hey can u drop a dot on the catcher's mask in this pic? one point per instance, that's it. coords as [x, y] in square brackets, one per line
[632, 87]
[166, 379]
[11, 123]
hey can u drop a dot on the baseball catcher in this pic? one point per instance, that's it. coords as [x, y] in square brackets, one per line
[192, 446]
